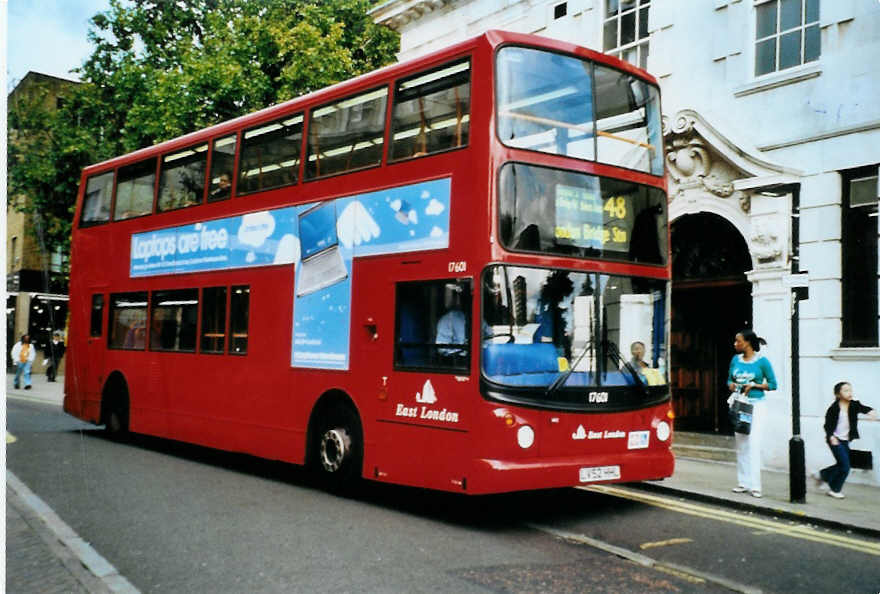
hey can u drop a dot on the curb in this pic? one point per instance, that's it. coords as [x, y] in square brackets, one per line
[97, 565]
[759, 509]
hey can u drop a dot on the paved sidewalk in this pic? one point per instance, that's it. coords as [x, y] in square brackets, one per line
[712, 481]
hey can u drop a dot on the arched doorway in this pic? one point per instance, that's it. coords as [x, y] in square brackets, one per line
[711, 301]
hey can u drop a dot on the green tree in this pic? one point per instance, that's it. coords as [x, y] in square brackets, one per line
[161, 69]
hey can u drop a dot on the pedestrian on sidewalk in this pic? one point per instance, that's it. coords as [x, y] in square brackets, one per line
[54, 353]
[752, 375]
[23, 355]
[841, 427]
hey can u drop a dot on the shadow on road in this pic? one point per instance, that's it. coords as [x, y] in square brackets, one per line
[488, 512]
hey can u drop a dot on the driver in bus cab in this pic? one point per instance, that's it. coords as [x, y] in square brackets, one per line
[452, 326]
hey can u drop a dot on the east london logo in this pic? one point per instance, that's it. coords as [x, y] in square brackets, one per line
[425, 397]
[582, 433]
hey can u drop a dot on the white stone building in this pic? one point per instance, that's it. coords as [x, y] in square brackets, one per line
[767, 104]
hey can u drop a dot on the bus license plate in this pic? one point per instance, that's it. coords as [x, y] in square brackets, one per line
[599, 473]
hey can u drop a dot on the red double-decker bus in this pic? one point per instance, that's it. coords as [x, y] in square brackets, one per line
[451, 273]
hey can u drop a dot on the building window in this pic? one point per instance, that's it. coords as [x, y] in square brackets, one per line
[786, 34]
[560, 10]
[859, 257]
[626, 30]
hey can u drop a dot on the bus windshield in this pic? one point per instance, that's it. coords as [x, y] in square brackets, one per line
[565, 105]
[592, 329]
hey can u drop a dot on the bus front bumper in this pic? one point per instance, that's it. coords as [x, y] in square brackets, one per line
[499, 476]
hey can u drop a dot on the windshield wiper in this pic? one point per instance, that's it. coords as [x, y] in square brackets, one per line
[564, 375]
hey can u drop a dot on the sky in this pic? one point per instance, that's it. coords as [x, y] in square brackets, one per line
[48, 36]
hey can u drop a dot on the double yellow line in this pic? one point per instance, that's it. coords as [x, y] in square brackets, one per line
[755, 523]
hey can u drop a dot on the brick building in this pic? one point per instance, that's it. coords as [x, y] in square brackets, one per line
[36, 285]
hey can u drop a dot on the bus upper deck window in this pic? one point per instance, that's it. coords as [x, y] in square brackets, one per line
[97, 200]
[182, 179]
[545, 102]
[269, 155]
[431, 111]
[628, 122]
[348, 134]
[564, 105]
[222, 163]
[135, 189]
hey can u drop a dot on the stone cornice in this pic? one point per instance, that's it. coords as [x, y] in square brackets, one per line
[398, 13]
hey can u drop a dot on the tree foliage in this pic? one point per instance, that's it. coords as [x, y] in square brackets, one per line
[160, 69]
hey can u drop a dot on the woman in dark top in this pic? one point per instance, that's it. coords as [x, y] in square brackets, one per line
[841, 427]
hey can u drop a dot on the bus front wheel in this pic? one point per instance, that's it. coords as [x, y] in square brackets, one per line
[339, 448]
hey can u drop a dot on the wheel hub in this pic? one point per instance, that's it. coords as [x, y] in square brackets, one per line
[335, 449]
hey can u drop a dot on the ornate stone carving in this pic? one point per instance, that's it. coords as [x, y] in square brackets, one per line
[692, 166]
[765, 244]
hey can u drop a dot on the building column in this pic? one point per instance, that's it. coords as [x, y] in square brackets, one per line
[771, 320]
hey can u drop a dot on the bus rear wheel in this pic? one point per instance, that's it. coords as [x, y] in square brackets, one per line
[339, 449]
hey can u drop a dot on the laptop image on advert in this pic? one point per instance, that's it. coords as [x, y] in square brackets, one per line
[322, 263]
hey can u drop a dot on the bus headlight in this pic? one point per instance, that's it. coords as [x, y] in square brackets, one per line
[663, 430]
[525, 437]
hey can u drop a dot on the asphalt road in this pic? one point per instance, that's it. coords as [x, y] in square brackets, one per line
[173, 517]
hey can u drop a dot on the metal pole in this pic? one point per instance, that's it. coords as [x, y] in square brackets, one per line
[796, 455]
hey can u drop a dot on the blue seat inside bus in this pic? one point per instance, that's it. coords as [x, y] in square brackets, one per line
[537, 364]
[521, 364]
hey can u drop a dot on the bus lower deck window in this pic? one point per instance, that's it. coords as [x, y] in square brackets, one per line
[128, 321]
[239, 305]
[214, 320]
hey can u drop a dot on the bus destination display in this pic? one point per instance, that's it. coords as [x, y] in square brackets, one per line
[584, 220]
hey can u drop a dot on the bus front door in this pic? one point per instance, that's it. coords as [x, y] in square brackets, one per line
[424, 385]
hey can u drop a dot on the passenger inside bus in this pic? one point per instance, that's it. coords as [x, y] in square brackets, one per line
[433, 319]
[452, 326]
[637, 349]
[223, 188]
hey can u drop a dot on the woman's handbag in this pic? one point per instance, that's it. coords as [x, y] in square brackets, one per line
[741, 413]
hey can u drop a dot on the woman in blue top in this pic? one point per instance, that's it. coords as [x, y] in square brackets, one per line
[751, 374]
